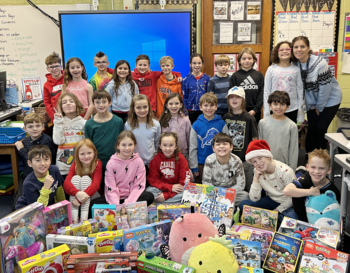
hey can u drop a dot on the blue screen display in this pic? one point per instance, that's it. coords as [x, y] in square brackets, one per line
[127, 35]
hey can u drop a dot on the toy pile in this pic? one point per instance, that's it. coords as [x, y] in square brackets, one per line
[197, 237]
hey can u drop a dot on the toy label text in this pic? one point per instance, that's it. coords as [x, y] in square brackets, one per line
[106, 242]
[36, 269]
[142, 232]
[323, 249]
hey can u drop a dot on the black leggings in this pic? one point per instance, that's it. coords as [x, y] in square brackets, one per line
[317, 127]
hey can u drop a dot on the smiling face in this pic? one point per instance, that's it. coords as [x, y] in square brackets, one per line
[168, 146]
[284, 52]
[301, 51]
[167, 68]
[222, 149]
[278, 108]
[101, 105]
[208, 109]
[246, 61]
[40, 165]
[318, 170]
[142, 66]
[123, 71]
[196, 65]
[126, 147]
[101, 63]
[174, 105]
[68, 105]
[55, 70]
[235, 101]
[75, 69]
[261, 163]
[141, 108]
[86, 155]
[34, 129]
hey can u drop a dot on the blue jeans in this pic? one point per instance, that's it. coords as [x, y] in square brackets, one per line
[175, 199]
[267, 203]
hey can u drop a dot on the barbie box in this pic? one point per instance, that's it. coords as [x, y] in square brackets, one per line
[57, 215]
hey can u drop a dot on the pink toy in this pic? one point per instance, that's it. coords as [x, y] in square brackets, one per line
[24, 253]
[57, 215]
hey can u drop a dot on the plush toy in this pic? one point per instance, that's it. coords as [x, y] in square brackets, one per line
[323, 210]
[216, 255]
[188, 231]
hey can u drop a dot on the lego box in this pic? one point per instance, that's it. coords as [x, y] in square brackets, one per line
[77, 245]
[259, 218]
[173, 211]
[57, 215]
[53, 260]
[108, 241]
[247, 253]
[80, 229]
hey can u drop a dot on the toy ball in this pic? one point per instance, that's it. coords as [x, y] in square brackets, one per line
[132, 245]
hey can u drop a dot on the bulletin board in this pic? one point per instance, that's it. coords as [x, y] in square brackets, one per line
[315, 19]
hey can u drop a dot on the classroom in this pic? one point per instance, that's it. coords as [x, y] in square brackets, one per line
[174, 136]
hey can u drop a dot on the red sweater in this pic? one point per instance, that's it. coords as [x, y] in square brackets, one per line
[147, 84]
[164, 173]
[96, 178]
[52, 92]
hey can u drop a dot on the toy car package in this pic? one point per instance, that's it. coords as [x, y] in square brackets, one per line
[247, 253]
[259, 218]
[76, 244]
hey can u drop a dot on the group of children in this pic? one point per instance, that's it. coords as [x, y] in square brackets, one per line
[150, 129]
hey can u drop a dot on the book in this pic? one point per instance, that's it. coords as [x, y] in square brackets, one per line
[247, 253]
[259, 218]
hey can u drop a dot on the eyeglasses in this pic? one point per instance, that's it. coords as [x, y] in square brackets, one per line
[99, 63]
[54, 67]
[284, 49]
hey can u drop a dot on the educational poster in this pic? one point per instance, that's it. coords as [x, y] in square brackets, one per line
[220, 10]
[244, 32]
[32, 88]
[226, 33]
[232, 68]
[332, 60]
[237, 10]
[254, 10]
[347, 34]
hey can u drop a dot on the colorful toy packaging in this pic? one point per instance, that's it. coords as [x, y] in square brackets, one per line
[156, 265]
[148, 238]
[215, 202]
[152, 215]
[81, 229]
[53, 260]
[283, 254]
[88, 262]
[317, 258]
[108, 241]
[173, 211]
[259, 218]
[123, 264]
[57, 215]
[105, 216]
[22, 235]
[309, 232]
[244, 269]
[77, 245]
[247, 253]
[237, 235]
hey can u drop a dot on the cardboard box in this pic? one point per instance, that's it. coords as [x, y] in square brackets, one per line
[76, 244]
[108, 241]
[57, 215]
[173, 211]
[81, 229]
[259, 218]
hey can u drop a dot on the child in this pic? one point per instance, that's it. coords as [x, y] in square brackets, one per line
[271, 176]
[166, 84]
[250, 80]
[125, 175]
[203, 130]
[34, 126]
[279, 131]
[168, 171]
[146, 80]
[284, 76]
[75, 81]
[224, 169]
[103, 129]
[241, 128]
[314, 182]
[102, 77]
[84, 178]
[121, 88]
[68, 129]
[220, 83]
[44, 183]
[145, 128]
[174, 120]
[53, 85]
[194, 86]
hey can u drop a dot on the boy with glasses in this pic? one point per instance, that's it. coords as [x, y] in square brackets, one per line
[103, 75]
[53, 85]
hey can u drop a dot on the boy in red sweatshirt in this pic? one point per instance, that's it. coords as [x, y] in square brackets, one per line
[53, 86]
[146, 80]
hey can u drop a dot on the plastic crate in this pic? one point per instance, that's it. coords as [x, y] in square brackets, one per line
[10, 135]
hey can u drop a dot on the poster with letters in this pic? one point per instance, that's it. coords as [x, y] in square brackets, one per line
[237, 10]
[244, 32]
[226, 33]
[254, 10]
[220, 10]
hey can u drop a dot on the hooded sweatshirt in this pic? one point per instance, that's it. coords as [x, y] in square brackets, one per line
[124, 179]
[147, 84]
[121, 102]
[201, 138]
[164, 88]
[193, 89]
[165, 172]
[52, 92]
[66, 134]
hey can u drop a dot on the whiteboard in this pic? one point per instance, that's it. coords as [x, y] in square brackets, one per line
[27, 37]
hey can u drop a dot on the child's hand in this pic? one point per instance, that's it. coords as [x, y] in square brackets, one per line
[19, 145]
[75, 203]
[48, 182]
[257, 175]
[177, 188]
[159, 198]
[82, 196]
[252, 112]
[289, 267]
[196, 173]
[57, 114]
[179, 79]
[314, 191]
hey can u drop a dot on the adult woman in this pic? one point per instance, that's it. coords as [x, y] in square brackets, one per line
[321, 90]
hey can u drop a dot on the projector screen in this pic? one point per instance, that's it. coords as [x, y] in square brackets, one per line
[125, 35]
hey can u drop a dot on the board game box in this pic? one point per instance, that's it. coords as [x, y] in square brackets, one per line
[247, 253]
[76, 244]
[57, 215]
[173, 211]
[259, 218]
[283, 254]
[215, 202]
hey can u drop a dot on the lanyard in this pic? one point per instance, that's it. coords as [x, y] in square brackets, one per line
[304, 75]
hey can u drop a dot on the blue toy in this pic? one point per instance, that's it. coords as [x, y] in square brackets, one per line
[323, 210]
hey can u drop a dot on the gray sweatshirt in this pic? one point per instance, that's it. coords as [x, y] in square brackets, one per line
[121, 103]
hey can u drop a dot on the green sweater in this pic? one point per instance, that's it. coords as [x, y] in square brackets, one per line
[104, 136]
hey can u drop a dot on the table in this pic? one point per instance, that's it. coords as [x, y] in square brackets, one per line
[336, 140]
[341, 160]
[16, 110]
[10, 149]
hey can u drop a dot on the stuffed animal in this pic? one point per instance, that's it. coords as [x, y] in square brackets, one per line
[188, 231]
[323, 210]
[216, 255]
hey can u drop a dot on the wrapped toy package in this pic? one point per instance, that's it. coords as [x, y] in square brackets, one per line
[172, 211]
[80, 229]
[53, 260]
[108, 241]
[111, 265]
[57, 215]
[76, 244]
[22, 235]
[259, 218]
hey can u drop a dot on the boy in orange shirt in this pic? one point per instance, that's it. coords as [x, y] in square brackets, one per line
[167, 83]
